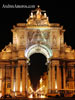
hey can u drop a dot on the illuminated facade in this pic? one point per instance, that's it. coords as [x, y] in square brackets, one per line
[38, 35]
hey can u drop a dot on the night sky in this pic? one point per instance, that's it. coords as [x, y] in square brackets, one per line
[58, 12]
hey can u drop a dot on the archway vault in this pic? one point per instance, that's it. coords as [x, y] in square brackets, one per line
[38, 48]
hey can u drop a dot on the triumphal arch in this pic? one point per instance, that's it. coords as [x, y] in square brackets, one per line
[38, 35]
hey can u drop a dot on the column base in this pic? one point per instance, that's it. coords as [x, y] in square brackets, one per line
[12, 93]
[23, 93]
[53, 92]
[0, 93]
[17, 93]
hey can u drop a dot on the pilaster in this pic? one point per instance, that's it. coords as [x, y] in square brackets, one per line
[64, 78]
[0, 80]
[53, 75]
[24, 79]
[58, 77]
[49, 78]
[18, 79]
[3, 80]
[12, 79]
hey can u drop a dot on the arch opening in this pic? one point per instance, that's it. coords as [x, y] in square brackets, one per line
[39, 48]
[37, 68]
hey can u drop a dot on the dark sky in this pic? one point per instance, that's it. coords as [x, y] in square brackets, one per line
[58, 12]
[62, 12]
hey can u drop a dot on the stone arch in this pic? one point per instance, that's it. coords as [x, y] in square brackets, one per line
[38, 48]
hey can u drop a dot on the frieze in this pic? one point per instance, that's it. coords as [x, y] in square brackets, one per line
[38, 37]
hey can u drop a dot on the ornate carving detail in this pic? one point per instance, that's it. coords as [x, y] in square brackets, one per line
[37, 18]
[38, 37]
[54, 41]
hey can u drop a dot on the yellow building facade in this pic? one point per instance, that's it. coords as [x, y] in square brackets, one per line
[38, 35]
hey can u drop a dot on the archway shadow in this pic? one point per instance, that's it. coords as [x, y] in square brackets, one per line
[37, 68]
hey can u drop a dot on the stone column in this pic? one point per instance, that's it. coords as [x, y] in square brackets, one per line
[56, 83]
[23, 78]
[12, 80]
[3, 82]
[0, 80]
[49, 78]
[18, 79]
[64, 78]
[53, 76]
[26, 77]
[73, 76]
[58, 77]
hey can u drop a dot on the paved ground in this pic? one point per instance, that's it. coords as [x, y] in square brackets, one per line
[67, 98]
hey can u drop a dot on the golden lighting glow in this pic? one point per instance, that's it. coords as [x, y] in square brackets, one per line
[31, 96]
[55, 84]
[43, 96]
[0, 94]
[14, 87]
[41, 80]
[40, 88]
[21, 86]
[0, 85]
[15, 94]
[31, 89]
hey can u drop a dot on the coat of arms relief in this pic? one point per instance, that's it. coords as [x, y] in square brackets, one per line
[38, 37]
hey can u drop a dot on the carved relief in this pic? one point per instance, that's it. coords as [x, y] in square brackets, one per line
[14, 38]
[21, 39]
[54, 41]
[38, 19]
[38, 37]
